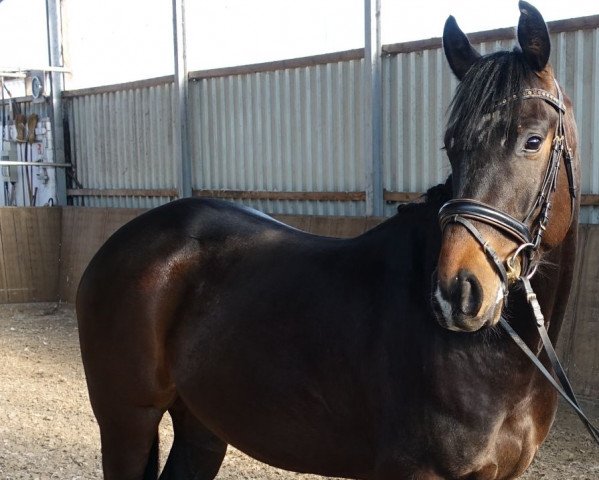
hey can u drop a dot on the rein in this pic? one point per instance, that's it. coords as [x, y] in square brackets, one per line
[528, 239]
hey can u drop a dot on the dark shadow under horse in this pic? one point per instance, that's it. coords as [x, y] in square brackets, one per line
[377, 357]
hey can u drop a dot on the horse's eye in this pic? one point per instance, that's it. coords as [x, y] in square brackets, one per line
[533, 143]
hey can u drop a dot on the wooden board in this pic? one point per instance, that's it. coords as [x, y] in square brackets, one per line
[356, 196]
[79, 226]
[583, 365]
[115, 219]
[29, 242]
[44, 247]
[372, 222]
[50, 229]
[122, 192]
[83, 233]
[15, 260]
[29, 258]
[340, 227]
[3, 272]
[10, 264]
[564, 345]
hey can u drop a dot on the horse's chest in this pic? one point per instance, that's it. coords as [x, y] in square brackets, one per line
[481, 449]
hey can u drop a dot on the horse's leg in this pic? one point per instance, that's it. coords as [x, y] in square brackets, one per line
[129, 437]
[196, 452]
[129, 389]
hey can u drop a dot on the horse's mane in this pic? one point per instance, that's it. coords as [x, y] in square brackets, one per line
[439, 194]
[431, 200]
[491, 79]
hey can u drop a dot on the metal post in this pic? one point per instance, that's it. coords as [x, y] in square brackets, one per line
[373, 108]
[53, 19]
[181, 144]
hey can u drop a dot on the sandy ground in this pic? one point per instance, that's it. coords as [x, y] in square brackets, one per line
[48, 431]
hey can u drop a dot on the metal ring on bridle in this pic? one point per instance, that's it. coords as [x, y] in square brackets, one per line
[510, 260]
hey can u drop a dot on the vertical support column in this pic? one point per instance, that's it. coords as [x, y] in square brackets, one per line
[181, 142]
[53, 20]
[373, 108]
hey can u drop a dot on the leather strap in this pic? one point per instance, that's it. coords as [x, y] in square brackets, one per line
[476, 210]
[556, 102]
[566, 393]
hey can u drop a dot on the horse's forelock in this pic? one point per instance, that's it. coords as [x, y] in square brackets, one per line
[490, 80]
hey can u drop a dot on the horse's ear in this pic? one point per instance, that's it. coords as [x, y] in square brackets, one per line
[460, 54]
[533, 36]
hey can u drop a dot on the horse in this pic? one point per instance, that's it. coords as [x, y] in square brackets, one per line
[376, 357]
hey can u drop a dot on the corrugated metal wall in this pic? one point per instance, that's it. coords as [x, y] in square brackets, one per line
[289, 130]
[575, 58]
[300, 128]
[123, 140]
[417, 88]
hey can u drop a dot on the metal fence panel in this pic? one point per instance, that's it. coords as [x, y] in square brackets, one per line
[285, 131]
[417, 89]
[575, 58]
[123, 140]
[299, 128]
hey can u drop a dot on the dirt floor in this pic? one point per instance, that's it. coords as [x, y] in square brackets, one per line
[48, 431]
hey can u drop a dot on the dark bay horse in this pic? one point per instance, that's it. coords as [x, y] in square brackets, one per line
[377, 357]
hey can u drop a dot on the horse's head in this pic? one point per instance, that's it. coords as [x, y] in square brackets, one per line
[511, 142]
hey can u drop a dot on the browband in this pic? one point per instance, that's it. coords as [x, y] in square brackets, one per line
[557, 103]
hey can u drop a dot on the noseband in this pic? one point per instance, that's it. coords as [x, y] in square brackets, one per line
[528, 239]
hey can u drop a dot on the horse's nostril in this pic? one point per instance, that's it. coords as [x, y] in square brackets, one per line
[468, 294]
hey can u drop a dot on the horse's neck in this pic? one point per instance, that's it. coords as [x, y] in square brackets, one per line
[552, 286]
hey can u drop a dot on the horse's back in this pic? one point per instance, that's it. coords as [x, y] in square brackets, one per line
[168, 236]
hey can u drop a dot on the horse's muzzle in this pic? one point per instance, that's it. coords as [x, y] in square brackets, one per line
[457, 303]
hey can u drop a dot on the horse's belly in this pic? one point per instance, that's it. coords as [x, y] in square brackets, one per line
[281, 431]
[270, 405]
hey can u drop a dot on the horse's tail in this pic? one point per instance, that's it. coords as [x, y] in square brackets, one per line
[151, 471]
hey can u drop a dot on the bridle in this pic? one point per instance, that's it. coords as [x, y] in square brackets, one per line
[528, 240]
